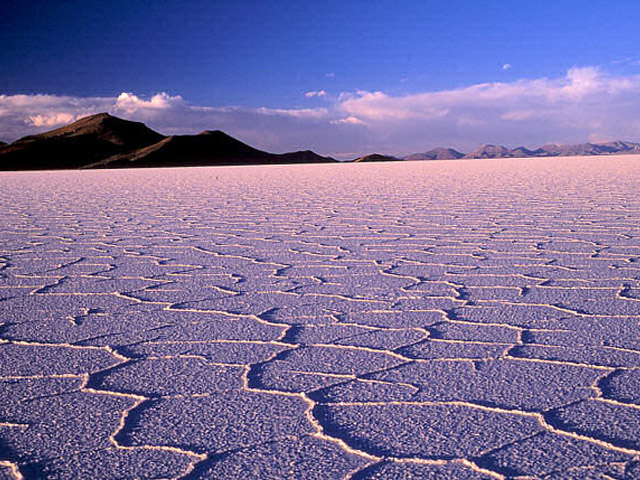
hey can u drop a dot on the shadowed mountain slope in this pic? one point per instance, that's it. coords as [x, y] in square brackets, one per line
[489, 151]
[73, 146]
[104, 141]
[376, 157]
[524, 152]
[436, 154]
[206, 148]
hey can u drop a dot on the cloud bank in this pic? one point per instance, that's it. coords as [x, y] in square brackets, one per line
[586, 104]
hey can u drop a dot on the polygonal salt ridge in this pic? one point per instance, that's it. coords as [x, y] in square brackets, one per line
[308, 368]
[184, 375]
[356, 335]
[465, 234]
[617, 425]
[29, 359]
[505, 383]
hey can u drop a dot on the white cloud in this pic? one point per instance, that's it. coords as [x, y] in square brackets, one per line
[380, 106]
[348, 121]
[295, 112]
[569, 109]
[274, 129]
[50, 120]
[583, 104]
[506, 66]
[635, 62]
[130, 103]
[315, 93]
[330, 75]
[22, 115]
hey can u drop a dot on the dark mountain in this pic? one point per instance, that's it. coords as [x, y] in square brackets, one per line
[376, 157]
[621, 146]
[303, 156]
[436, 154]
[2, 144]
[104, 141]
[87, 140]
[205, 149]
[523, 152]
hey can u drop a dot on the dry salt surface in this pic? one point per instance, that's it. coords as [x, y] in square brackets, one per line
[438, 320]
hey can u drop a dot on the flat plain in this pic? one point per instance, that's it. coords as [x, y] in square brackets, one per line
[437, 320]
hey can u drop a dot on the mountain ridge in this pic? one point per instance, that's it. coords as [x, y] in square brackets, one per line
[106, 141]
[72, 146]
[617, 147]
[205, 148]
[375, 157]
[436, 154]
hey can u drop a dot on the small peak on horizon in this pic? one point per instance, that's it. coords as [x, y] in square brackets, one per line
[97, 116]
[93, 119]
[213, 132]
[375, 157]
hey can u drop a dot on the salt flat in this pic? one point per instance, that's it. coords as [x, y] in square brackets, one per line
[447, 320]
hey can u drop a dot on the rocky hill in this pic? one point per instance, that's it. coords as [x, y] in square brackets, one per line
[73, 146]
[105, 141]
[376, 157]
[436, 154]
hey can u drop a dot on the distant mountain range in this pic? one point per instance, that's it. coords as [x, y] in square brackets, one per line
[499, 151]
[105, 141]
[436, 154]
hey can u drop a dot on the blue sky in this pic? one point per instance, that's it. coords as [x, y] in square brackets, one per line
[330, 75]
